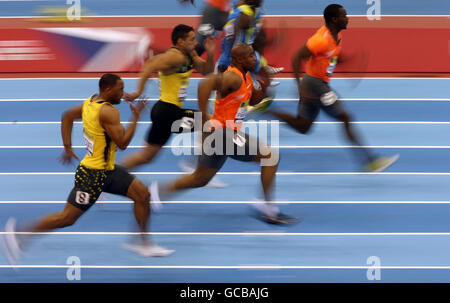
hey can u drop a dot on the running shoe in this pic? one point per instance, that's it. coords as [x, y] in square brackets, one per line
[279, 219]
[148, 250]
[273, 70]
[11, 247]
[271, 214]
[261, 106]
[381, 163]
[155, 202]
[274, 83]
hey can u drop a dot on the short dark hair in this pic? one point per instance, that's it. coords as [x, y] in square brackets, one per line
[108, 80]
[180, 31]
[331, 11]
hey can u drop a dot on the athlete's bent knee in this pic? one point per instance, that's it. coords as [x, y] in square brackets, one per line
[304, 127]
[200, 181]
[268, 157]
[65, 220]
[344, 117]
[147, 157]
[138, 192]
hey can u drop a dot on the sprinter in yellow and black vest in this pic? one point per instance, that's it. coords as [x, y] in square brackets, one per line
[175, 67]
[96, 173]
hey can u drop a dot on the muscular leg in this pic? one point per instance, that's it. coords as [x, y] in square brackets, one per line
[300, 124]
[370, 161]
[352, 136]
[67, 217]
[199, 178]
[142, 156]
[270, 212]
[138, 192]
[268, 172]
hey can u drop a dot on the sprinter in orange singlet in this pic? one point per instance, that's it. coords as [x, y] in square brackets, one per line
[214, 17]
[321, 53]
[222, 137]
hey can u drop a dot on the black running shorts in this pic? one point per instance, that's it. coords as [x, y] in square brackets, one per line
[316, 94]
[163, 117]
[90, 183]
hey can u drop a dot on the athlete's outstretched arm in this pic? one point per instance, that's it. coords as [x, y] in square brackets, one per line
[160, 62]
[202, 66]
[110, 121]
[302, 54]
[66, 132]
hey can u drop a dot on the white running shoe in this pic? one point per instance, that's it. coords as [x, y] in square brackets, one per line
[274, 83]
[155, 202]
[381, 163]
[273, 70]
[271, 214]
[148, 250]
[217, 183]
[267, 209]
[11, 246]
[261, 107]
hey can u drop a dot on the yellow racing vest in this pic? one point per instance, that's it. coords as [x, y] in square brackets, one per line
[101, 150]
[173, 87]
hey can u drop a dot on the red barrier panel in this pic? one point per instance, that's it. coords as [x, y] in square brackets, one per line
[393, 44]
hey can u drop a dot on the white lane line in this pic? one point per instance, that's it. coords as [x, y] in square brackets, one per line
[247, 122]
[245, 173]
[240, 202]
[274, 146]
[195, 99]
[241, 267]
[231, 234]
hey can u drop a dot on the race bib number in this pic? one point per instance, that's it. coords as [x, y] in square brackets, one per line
[239, 139]
[187, 123]
[182, 94]
[82, 198]
[89, 145]
[329, 98]
[241, 113]
[332, 66]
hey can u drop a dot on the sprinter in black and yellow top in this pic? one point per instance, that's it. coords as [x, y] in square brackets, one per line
[175, 67]
[97, 172]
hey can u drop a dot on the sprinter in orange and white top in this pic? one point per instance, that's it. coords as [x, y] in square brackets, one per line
[321, 53]
[230, 110]
[222, 137]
